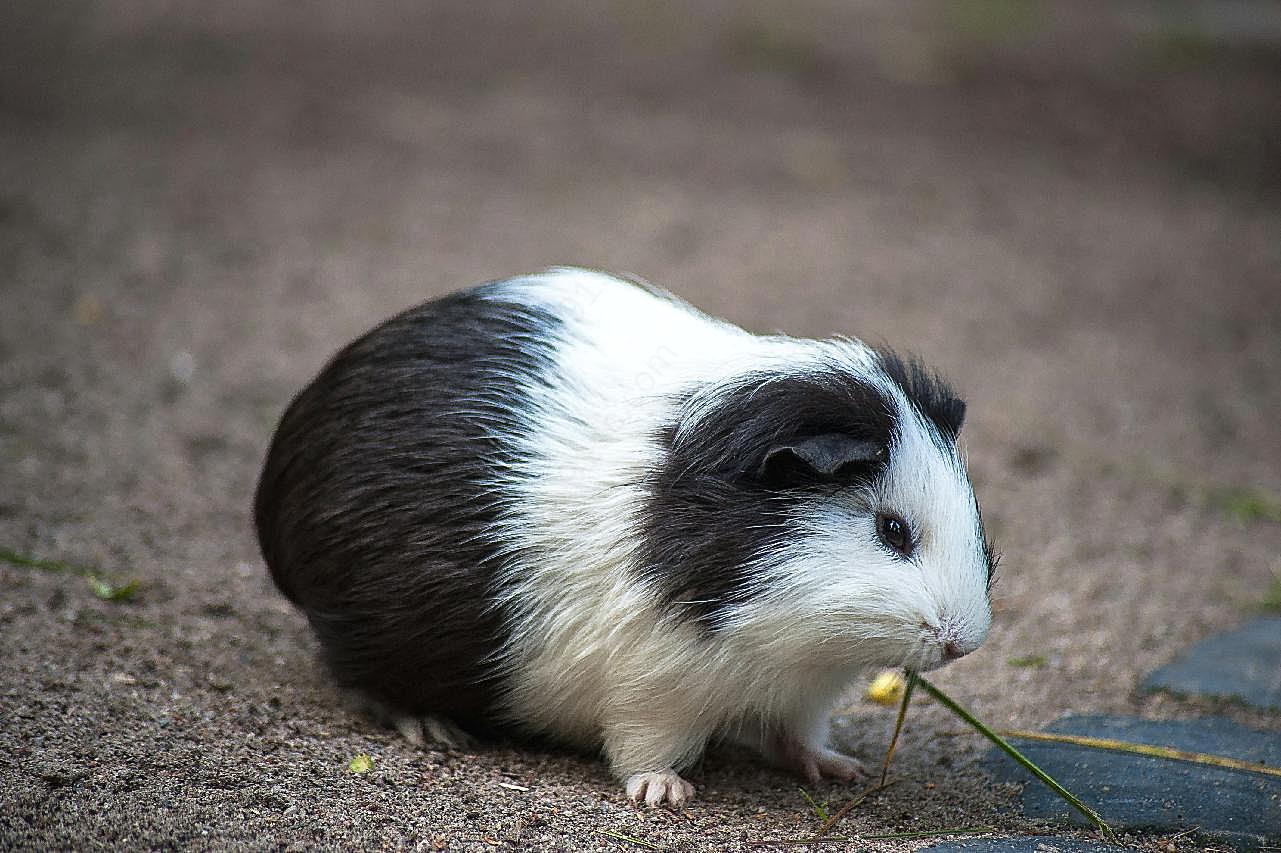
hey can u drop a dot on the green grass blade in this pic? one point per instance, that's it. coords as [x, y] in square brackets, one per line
[1067, 796]
[29, 562]
[820, 810]
[102, 587]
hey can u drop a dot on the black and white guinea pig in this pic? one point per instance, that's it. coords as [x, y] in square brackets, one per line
[573, 506]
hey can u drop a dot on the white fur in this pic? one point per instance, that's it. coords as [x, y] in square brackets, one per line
[596, 660]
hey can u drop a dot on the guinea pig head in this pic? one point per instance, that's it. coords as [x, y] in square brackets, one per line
[824, 516]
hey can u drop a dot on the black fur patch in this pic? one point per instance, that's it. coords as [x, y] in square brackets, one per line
[928, 392]
[713, 506]
[374, 512]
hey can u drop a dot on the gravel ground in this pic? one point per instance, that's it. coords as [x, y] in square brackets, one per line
[1077, 215]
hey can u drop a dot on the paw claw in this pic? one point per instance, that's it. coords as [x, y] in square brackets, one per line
[440, 730]
[658, 787]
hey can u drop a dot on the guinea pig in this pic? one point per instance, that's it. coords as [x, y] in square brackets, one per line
[573, 507]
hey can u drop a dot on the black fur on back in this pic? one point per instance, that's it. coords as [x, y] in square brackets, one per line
[928, 392]
[375, 508]
[711, 510]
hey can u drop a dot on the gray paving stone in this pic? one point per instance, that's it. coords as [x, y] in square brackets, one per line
[1135, 792]
[1244, 664]
[1023, 844]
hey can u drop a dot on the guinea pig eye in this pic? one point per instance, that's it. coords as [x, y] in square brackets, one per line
[895, 533]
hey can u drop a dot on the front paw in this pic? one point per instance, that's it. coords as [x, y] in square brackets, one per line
[658, 787]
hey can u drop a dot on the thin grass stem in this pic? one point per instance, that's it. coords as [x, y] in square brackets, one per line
[946, 701]
[898, 723]
[1147, 749]
[618, 836]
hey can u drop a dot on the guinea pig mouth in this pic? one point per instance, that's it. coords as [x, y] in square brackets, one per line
[942, 645]
[925, 660]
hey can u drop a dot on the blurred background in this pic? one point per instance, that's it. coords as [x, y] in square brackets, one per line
[1072, 209]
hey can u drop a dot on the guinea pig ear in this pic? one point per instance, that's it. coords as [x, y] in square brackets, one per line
[828, 456]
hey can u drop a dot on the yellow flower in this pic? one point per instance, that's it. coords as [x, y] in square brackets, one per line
[886, 688]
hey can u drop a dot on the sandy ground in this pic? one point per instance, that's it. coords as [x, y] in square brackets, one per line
[1078, 217]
